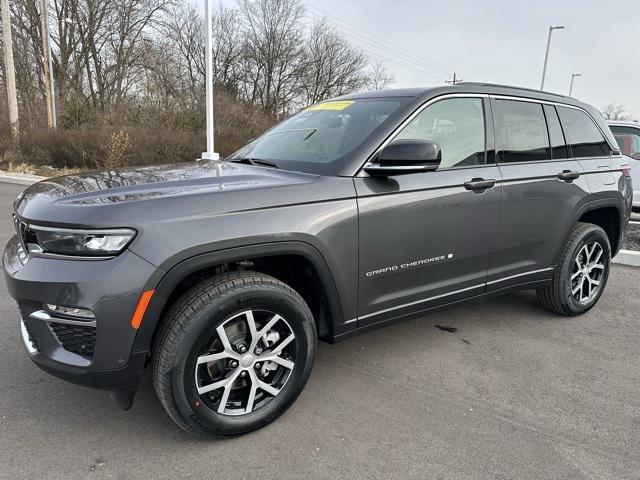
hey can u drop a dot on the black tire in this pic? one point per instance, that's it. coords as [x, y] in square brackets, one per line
[195, 316]
[557, 296]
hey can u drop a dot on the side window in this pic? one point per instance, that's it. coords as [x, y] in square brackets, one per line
[628, 139]
[457, 125]
[582, 134]
[558, 144]
[521, 132]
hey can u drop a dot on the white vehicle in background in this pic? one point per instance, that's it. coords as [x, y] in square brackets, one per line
[627, 134]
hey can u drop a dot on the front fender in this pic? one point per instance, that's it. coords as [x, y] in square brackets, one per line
[176, 273]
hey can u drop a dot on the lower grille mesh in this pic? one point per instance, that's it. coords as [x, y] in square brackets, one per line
[76, 338]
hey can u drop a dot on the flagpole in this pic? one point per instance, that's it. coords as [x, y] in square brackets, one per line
[210, 154]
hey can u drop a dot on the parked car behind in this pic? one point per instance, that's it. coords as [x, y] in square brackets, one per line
[627, 134]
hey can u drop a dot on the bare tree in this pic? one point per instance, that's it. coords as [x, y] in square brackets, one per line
[332, 66]
[273, 52]
[379, 77]
[615, 111]
[228, 48]
[130, 21]
[141, 62]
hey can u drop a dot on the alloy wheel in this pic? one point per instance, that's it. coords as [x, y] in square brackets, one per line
[246, 362]
[588, 270]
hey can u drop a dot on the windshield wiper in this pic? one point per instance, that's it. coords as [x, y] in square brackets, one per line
[253, 161]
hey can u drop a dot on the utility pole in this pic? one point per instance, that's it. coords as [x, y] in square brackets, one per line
[49, 94]
[210, 154]
[546, 55]
[10, 73]
[455, 80]
[573, 76]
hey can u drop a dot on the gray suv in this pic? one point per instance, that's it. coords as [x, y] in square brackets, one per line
[350, 215]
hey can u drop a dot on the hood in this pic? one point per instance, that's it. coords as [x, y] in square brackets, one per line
[116, 190]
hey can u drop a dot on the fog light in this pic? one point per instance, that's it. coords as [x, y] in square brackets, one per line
[69, 311]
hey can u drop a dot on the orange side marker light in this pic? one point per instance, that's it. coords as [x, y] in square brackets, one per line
[143, 303]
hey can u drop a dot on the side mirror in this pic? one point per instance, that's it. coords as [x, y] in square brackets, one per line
[405, 156]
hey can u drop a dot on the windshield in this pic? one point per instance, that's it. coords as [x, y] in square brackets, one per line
[318, 138]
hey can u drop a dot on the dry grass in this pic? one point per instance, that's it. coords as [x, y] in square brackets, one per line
[152, 137]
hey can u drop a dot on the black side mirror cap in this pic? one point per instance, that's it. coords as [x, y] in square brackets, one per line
[405, 156]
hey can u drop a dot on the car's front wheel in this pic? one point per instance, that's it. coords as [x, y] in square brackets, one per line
[234, 353]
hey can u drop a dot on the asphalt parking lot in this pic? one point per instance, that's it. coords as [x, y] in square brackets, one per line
[514, 393]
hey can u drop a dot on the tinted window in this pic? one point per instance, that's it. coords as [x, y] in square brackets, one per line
[628, 139]
[457, 125]
[582, 134]
[521, 134]
[558, 144]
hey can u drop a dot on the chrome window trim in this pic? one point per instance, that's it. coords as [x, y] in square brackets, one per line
[559, 104]
[399, 128]
[360, 173]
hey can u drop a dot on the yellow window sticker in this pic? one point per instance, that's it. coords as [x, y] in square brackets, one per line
[338, 105]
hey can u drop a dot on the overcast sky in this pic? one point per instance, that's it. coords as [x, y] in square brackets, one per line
[501, 41]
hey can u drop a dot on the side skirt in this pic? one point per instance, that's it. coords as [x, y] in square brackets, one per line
[408, 316]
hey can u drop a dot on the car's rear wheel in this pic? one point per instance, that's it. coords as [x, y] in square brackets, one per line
[582, 272]
[234, 353]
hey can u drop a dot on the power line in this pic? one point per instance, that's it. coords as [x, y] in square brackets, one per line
[396, 58]
[385, 44]
[390, 47]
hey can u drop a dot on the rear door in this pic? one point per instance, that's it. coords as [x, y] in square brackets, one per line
[542, 189]
[426, 238]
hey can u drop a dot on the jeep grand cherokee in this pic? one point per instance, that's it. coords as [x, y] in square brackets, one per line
[353, 213]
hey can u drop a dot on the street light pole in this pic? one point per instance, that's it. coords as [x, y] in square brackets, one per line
[546, 55]
[573, 76]
[208, 85]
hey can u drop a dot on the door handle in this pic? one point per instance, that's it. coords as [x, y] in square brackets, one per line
[478, 184]
[568, 175]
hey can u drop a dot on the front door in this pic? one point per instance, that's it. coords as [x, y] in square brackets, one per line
[427, 238]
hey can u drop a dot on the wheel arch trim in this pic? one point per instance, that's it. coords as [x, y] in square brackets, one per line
[170, 280]
[591, 205]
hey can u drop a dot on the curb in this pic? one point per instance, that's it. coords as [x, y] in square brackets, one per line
[627, 257]
[20, 179]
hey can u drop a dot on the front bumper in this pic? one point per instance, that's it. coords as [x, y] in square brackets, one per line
[95, 353]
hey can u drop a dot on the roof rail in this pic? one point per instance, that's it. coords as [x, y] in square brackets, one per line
[484, 84]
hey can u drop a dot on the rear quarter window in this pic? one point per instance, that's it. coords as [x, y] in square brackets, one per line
[583, 136]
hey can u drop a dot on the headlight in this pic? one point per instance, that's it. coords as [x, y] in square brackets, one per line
[93, 243]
